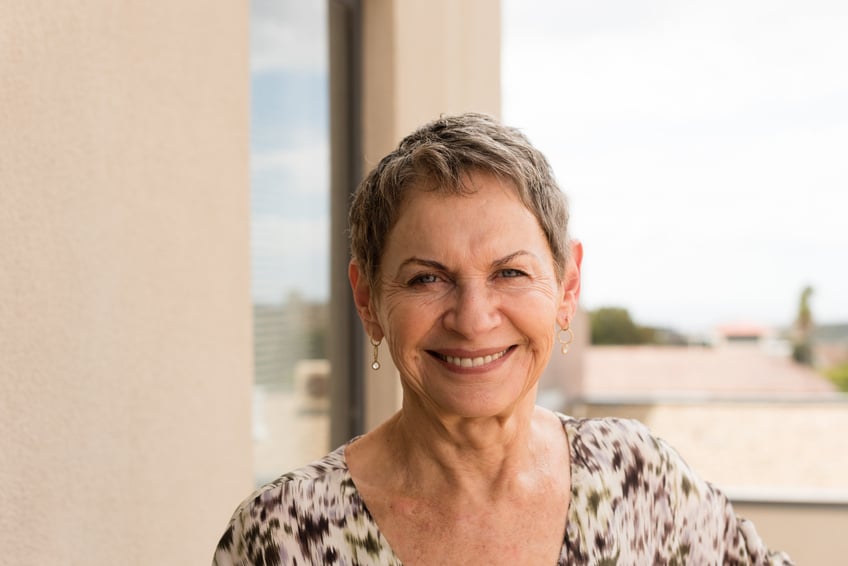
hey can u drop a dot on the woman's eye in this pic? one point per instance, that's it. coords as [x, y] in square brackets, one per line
[423, 279]
[509, 273]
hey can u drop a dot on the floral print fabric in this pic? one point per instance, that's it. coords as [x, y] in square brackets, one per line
[633, 501]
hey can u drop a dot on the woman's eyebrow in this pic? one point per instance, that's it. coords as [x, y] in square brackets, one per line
[508, 258]
[433, 264]
[421, 262]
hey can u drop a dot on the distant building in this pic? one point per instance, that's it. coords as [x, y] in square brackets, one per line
[741, 333]
[735, 411]
[766, 338]
[285, 334]
[724, 371]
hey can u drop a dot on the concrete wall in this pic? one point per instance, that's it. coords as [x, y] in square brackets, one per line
[124, 279]
[420, 60]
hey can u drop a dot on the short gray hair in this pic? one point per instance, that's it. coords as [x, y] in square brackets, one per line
[439, 156]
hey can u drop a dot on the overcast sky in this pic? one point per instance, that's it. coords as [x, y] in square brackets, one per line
[289, 150]
[703, 146]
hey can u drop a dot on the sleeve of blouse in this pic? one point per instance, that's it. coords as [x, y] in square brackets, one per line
[227, 553]
[256, 534]
[708, 509]
[755, 547]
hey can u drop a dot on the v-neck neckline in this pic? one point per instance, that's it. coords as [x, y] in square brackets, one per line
[570, 434]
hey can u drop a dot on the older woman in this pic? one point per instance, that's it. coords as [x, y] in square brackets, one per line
[462, 268]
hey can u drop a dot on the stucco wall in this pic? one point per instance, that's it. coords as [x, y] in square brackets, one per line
[124, 279]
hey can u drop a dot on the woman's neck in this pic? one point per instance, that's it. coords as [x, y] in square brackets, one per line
[478, 457]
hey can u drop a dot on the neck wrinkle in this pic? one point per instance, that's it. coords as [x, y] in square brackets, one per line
[479, 457]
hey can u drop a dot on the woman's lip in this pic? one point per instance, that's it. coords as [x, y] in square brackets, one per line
[463, 353]
[471, 359]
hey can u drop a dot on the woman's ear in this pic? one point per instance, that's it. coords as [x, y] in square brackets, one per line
[571, 285]
[362, 298]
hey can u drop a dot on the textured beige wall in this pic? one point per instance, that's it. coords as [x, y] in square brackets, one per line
[124, 279]
[420, 60]
[810, 534]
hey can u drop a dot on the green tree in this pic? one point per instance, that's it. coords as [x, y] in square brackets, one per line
[839, 375]
[802, 347]
[613, 325]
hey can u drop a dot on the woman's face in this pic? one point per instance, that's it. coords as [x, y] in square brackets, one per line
[468, 299]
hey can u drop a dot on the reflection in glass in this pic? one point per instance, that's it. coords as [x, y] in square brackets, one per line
[289, 240]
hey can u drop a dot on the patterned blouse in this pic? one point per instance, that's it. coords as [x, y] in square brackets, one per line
[633, 501]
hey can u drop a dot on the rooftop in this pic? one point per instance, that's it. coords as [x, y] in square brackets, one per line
[729, 371]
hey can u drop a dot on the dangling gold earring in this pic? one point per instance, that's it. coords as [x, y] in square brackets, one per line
[375, 365]
[565, 336]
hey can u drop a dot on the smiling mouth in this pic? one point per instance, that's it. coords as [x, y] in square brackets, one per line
[479, 361]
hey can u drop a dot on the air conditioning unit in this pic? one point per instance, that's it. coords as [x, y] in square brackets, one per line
[312, 386]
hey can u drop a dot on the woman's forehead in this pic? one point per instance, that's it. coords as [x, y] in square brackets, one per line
[474, 186]
[490, 220]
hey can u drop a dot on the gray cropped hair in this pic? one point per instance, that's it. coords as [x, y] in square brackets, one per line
[440, 156]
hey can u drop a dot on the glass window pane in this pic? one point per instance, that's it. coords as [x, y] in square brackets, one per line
[290, 228]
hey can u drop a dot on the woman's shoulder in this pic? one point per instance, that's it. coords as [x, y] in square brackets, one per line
[302, 501]
[328, 472]
[328, 475]
[594, 437]
[603, 426]
[624, 457]
[623, 477]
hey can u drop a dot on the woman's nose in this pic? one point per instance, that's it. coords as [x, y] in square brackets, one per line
[474, 309]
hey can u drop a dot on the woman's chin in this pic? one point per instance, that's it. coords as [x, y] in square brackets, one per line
[476, 407]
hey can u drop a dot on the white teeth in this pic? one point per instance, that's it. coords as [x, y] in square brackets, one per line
[473, 362]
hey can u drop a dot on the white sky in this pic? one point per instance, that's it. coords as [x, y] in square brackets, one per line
[703, 146]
